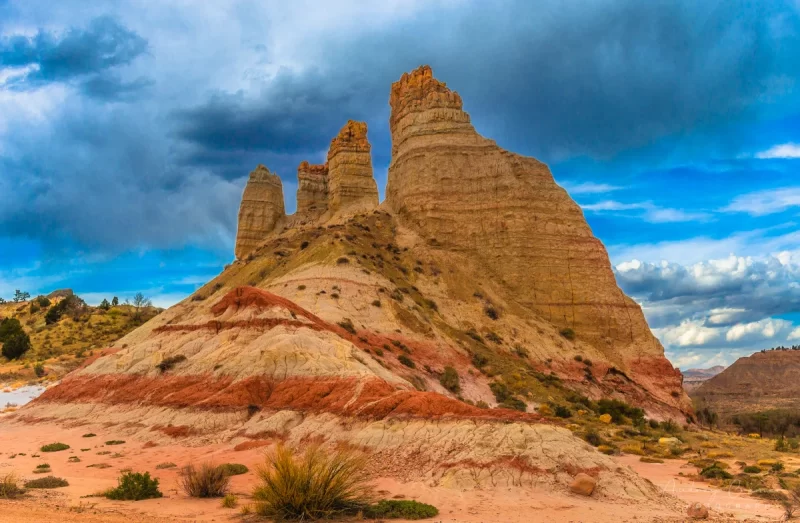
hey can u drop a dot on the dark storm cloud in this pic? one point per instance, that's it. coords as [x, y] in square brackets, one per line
[74, 55]
[554, 79]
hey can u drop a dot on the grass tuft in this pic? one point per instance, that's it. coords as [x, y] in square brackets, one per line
[401, 509]
[208, 481]
[315, 485]
[9, 486]
[233, 469]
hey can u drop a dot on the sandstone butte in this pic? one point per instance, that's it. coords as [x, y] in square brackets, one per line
[762, 381]
[338, 323]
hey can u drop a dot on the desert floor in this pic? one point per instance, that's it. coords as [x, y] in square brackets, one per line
[76, 503]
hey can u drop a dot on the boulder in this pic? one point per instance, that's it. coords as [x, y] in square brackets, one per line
[583, 484]
[697, 511]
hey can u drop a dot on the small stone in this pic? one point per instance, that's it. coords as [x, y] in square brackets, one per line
[583, 484]
[697, 511]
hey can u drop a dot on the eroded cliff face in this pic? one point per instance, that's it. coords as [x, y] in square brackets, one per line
[312, 190]
[351, 184]
[261, 210]
[463, 192]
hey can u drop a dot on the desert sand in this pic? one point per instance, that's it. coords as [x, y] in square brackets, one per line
[512, 505]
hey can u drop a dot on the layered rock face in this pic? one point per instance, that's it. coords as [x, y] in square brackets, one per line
[312, 190]
[260, 211]
[469, 194]
[350, 182]
[463, 192]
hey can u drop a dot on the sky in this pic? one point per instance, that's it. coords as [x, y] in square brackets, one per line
[128, 129]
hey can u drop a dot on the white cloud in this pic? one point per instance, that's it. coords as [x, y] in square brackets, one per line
[689, 333]
[762, 203]
[589, 188]
[651, 212]
[766, 329]
[786, 150]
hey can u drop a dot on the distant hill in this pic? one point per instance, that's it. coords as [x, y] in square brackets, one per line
[64, 331]
[693, 378]
[766, 380]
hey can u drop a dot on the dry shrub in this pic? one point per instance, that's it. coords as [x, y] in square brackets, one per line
[209, 481]
[317, 485]
[9, 486]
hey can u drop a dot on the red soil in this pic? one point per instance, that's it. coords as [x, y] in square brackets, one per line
[368, 399]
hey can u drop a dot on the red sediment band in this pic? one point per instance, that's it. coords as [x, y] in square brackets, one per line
[371, 399]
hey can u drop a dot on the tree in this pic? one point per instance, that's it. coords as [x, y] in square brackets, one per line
[21, 296]
[140, 302]
[114, 301]
[52, 316]
[105, 305]
[8, 328]
[16, 345]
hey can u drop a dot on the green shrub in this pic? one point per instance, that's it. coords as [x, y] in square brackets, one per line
[491, 312]
[752, 469]
[405, 360]
[38, 369]
[168, 363]
[229, 501]
[715, 472]
[115, 442]
[567, 333]
[47, 482]
[89, 435]
[618, 410]
[450, 380]
[16, 345]
[593, 438]
[400, 509]
[206, 482]
[233, 469]
[54, 447]
[315, 486]
[134, 486]
[347, 324]
[562, 411]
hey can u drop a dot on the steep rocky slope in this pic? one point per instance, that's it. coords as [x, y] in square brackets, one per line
[765, 380]
[413, 329]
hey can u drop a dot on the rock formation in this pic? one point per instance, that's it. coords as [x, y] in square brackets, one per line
[312, 190]
[463, 192]
[763, 381]
[260, 211]
[428, 332]
[350, 182]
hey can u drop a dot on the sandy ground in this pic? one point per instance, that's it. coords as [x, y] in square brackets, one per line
[512, 505]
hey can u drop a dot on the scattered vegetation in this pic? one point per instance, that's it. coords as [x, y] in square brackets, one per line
[233, 469]
[47, 482]
[405, 360]
[54, 447]
[168, 363]
[9, 486]
[115, 442]
[347, 324]
[134, 486]
[450, 380]
[166, 465]
[208, 481]
[567, 333]
[401, 509]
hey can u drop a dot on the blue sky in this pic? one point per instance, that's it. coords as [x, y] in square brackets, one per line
[127, 130]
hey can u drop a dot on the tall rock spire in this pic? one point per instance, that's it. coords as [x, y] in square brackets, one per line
[351, 184]
[451, 184]
[261, 210]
